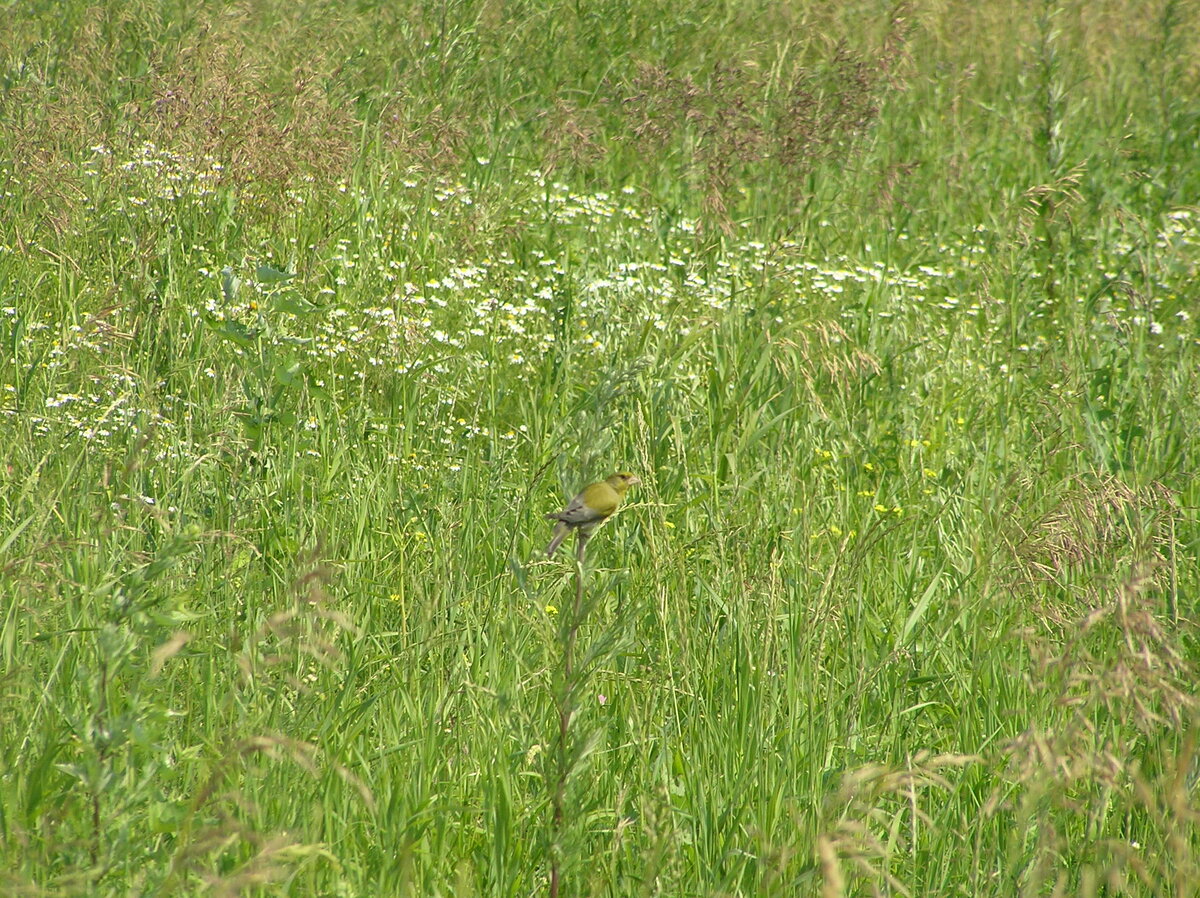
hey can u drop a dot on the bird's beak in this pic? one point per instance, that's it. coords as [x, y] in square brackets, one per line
[634, 480]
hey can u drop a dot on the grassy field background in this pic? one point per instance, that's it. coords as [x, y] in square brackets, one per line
[311, 310]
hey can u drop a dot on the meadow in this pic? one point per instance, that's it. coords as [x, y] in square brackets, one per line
[310, 312]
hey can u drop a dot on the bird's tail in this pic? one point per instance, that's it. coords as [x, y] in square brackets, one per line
[560, 533]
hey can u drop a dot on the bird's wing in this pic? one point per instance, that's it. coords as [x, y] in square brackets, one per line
[578, 512]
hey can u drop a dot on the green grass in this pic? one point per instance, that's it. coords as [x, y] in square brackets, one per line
[310, 313]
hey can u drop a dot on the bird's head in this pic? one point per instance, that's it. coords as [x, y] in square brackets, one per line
[622, 481]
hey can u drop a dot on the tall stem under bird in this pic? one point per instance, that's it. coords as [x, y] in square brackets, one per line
[566, 701]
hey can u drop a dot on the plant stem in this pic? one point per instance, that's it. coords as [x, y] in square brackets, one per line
[564, 716]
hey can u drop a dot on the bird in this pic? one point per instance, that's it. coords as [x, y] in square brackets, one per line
[589, 509]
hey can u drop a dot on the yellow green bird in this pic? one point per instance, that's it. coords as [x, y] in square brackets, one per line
[588, 510]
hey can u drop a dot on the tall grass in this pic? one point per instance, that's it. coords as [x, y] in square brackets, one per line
[310, 312]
